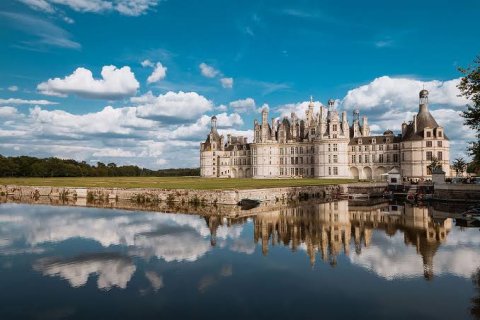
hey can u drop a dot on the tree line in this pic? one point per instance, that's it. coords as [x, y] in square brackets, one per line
[25, 166]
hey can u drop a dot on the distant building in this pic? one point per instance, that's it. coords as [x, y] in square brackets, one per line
[325, 145]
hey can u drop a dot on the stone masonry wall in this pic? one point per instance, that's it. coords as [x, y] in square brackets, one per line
[230, 197]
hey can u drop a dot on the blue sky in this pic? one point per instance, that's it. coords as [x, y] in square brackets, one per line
[374, 55]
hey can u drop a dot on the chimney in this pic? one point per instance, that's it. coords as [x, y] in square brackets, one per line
[404, 128]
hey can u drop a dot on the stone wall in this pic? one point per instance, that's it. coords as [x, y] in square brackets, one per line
[229, 197]
[461, 192]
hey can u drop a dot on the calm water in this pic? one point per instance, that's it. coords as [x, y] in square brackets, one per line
[328, 261]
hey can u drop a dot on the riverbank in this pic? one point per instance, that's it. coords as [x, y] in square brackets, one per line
[169, 183]
[192, 196]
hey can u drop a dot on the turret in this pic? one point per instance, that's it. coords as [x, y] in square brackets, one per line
[423, 100]
[309, 112]
[265, 116]
[213, 123]
[331, 105]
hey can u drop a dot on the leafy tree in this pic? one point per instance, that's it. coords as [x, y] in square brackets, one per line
[469, 87]
[459, 165]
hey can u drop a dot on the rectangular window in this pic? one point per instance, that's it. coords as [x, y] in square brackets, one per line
[335, 158]
[301, 150]
[395, 157]
[292, 160]
[334, 127]
[439, 134]
[329, 158]
[329, 171]
[359, 158]
[281, 160]
[373, 158]
[440, 155]
[366, 158]
[439, 143]
[388, 157]
[366, 148]
[429, 134]
[353, 158]
[429, 155]
[329, 147]
[292, 150]
[335, 171]
[380, 147]
[380, 158]
[429, 144]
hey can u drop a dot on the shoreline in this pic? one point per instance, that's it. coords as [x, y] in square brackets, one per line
[191, 196]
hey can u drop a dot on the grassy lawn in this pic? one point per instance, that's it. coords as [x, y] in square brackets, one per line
[169, 182]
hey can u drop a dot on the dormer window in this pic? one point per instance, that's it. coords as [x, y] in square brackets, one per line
[374, 141]
[429, 134]
[440, 134]
[359, 141]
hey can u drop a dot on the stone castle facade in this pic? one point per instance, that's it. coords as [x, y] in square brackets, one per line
[325, 145]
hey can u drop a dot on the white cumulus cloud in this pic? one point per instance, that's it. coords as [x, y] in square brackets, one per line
[227, 82]
[402, 93]
[172, 105]
[243, 105]
[115, 84]
[208, 71]
[159, 73]
[201, 127]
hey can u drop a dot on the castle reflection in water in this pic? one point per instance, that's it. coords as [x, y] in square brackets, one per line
[327, 230]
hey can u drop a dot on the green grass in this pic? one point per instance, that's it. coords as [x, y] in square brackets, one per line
[169, 182]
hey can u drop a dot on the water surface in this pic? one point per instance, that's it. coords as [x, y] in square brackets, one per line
[331, 261]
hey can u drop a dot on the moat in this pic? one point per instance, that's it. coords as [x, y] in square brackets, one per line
[331, 260]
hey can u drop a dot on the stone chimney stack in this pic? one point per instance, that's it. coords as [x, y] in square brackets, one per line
[404, 128]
